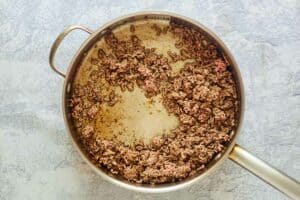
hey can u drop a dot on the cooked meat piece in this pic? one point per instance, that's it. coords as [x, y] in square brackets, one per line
[220, 65]
[87, 131]
[130, 173]
[92, 111]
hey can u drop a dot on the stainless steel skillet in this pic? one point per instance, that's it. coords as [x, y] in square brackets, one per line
[234, 152]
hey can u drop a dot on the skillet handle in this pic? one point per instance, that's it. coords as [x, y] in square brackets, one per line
[57, 42]
[266, 172]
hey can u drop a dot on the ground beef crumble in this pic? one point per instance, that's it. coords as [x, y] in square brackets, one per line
[202, 95]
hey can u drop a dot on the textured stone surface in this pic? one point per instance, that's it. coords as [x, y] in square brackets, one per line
[37, 160]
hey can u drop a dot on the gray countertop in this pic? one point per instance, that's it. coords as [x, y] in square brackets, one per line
[37, 159]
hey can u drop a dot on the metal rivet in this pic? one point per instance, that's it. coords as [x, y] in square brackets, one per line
[68, 87]
[218, 156]
[231, 134]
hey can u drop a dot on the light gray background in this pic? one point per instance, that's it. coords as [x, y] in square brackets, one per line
[37, 160]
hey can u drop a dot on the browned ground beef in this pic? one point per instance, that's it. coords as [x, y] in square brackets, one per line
[202, 95]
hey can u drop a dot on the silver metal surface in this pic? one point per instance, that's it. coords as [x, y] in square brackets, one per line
[69, 77]
[266, 172]
[57, 42]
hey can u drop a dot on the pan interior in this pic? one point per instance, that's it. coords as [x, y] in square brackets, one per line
[134, 117]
